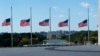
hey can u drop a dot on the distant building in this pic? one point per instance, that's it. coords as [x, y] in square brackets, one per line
[54, 35]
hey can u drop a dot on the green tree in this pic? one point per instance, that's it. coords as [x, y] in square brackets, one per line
[25, 40]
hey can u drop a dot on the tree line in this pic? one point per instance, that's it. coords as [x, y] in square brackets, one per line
[20, 39]
[82, 36]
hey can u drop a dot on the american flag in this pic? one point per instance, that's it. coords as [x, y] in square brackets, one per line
[25, 22]
[63, 23]
[44, 22]
[6, 22]
[83, 23]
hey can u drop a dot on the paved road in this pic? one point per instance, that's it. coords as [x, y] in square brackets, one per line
[52, 51]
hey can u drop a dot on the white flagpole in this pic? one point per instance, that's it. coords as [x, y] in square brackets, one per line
[99, 22]
[50, 19]
[31, 42]
[69, 23]
[11, 28]
[31, 23]
[88, 25]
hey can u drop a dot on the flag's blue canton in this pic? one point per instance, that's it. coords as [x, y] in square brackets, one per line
[66, 21]
[8, 20]
[85, 21]
[47, 20]
[28, 20]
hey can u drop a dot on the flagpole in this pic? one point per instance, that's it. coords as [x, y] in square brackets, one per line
[69, 23]
[31, 24]
[88, 25]
[50, 19]
[99, 23]
[11, 28]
